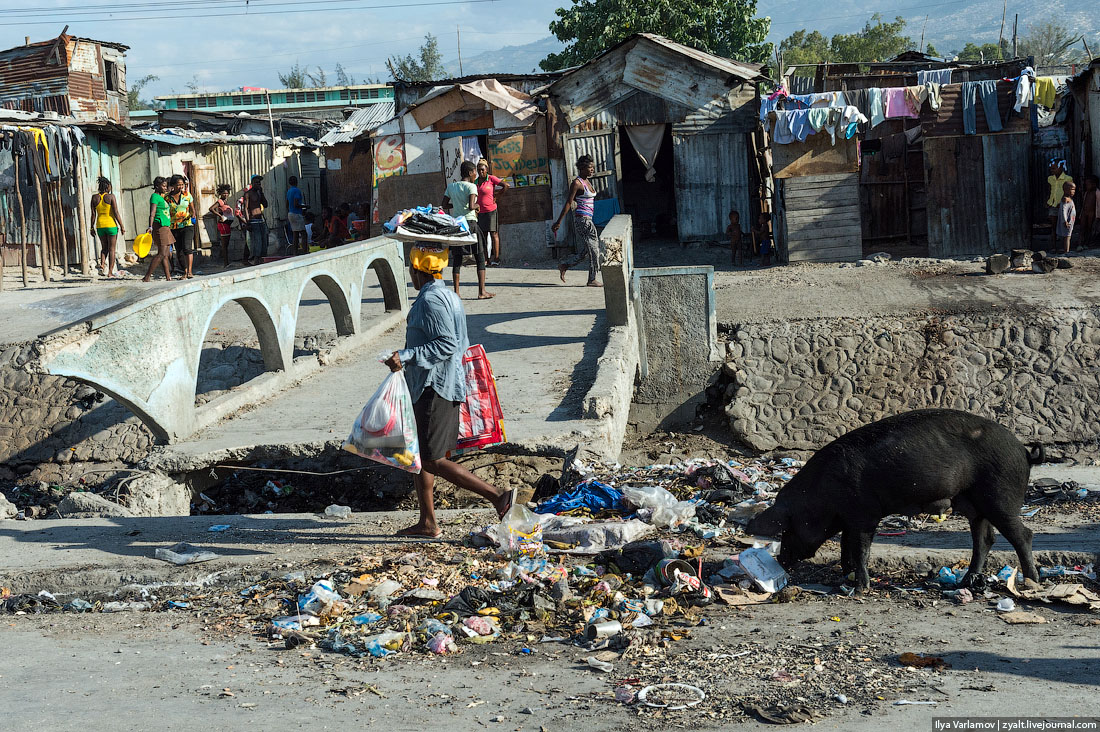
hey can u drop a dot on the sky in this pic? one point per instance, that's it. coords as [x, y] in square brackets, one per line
[227, 44]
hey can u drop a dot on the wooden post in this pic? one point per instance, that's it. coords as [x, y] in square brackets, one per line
[22, 223]
[3, 241]
[87, 249]
[44, 248]
[61, 226]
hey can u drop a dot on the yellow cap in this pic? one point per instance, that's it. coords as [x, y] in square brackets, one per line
[430, 260]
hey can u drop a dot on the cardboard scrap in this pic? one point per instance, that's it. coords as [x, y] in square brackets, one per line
[916, 661]
[1019, 617]
[1071, 594]
[734, 596]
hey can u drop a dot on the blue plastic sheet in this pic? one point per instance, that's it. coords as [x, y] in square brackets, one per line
[593, 495]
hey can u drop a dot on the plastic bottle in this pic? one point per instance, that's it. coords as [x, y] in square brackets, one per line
[336, 511]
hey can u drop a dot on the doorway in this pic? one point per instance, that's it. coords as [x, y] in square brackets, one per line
[649, 199]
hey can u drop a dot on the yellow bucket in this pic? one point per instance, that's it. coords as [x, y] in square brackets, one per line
[142, 244]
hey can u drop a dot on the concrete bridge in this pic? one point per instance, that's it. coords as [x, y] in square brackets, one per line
[146, 353]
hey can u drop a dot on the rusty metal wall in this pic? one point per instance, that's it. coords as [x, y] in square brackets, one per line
[603, 148]
[955, 171]
[948, 120]
[712, 178]
[353, 181]
[1005, 161]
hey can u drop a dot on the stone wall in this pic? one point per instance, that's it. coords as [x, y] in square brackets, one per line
[801, 384]
[57, 421]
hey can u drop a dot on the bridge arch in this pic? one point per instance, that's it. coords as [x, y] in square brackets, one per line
[329, 285]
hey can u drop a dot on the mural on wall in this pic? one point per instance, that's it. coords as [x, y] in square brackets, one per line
[389, 160]
[517, 159]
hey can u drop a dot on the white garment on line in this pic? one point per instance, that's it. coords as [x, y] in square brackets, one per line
[647, 140]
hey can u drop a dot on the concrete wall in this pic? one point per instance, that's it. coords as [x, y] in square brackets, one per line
[59, 422]
[525, 243]
[678, 343]
[801, 384]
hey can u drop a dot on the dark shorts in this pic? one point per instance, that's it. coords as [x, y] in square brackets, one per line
[436, 424]
[488, 221]
[185, 240]
[480, 250]
[162, 237]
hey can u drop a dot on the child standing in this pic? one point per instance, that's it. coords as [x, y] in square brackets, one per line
[224, 214]
[733, 231]
[1057, 179]
[1067, 216]
[762, 232]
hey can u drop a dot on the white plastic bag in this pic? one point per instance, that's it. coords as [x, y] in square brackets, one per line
[385, 430]
[665, 510]
[519, 533]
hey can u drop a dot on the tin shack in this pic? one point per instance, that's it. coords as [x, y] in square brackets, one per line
[670, 129]
[69, 76]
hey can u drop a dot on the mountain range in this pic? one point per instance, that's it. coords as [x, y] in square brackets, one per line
[949, 26]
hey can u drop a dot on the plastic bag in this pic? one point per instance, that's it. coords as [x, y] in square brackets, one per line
[665, 510]
[520, 533]
[385, 430]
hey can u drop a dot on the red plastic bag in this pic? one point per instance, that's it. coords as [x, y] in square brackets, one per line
[481, 419]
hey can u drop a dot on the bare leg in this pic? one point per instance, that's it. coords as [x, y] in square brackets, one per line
[428, 526]
[112, 266]
[189, 260]
[454, 276]
[496, 246]
[481, 293]
[225, 250]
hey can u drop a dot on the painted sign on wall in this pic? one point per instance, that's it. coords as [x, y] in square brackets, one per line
[517, 156]
[389, 160]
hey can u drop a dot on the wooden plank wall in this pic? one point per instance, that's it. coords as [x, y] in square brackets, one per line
[821, 218]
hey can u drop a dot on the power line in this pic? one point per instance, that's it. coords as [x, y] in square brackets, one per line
[311, 9]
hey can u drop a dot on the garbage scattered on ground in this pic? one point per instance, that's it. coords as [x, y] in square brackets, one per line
[617, 580]
[184, 553]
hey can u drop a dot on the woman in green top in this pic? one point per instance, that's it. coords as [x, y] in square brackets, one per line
[159, 227]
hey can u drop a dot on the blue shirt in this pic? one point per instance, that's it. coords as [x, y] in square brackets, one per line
[294, 200]
[435, 343]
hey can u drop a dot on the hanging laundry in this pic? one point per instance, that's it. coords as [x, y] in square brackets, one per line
[850, 120]
[936, 76]
[869, 104]
[878, 112]
[818, 117]
[819, 99]
[1024, 89]
[987, 91]
[1046, 91]
[792, 126]
[767, 106]
[934, 98]
[895, 103]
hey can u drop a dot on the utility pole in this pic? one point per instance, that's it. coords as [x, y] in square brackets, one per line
[1001, 35]
[271, 124]
[923, 28]
[458, 32]
[1015, 22]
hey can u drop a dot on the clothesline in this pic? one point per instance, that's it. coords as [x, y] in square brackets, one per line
[797, 116]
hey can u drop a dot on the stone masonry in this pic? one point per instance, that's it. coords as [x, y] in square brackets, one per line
[55, 420]
[801, 384]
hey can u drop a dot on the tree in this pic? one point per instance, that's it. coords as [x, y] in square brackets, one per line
[428, 68]
[878, 41]
[981, 54]
[294, 78]
[133, 94]
[343, 78]
[726, 28]
[1050, 43]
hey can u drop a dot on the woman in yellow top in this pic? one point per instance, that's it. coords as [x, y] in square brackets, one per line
[108, 225]
[181, 210]
[1056, 180]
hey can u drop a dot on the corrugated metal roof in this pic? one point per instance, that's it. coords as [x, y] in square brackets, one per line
[746, 71]
[177, 136]
[361, 122]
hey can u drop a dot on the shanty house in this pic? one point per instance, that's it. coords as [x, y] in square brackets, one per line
[349, 167]
[670, 129]
[913, 185]
[70, 76]
[418, 152]
[1084, 132]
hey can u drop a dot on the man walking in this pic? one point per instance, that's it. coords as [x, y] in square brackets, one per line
[435, 343]
[254, 204]
[295, 215]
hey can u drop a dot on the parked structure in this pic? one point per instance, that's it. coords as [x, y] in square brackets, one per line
[68, 76]
[671, 131]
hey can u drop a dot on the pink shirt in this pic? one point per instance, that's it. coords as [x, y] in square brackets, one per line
[893, 99]
[486, 200]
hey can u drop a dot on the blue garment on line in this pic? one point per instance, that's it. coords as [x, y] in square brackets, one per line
[936, 76]
[593, 495]
[987, 90]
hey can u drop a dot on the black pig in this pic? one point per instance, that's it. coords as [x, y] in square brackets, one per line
[916, 462]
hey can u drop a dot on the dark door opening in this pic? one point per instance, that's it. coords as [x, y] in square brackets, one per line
[651, 204]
